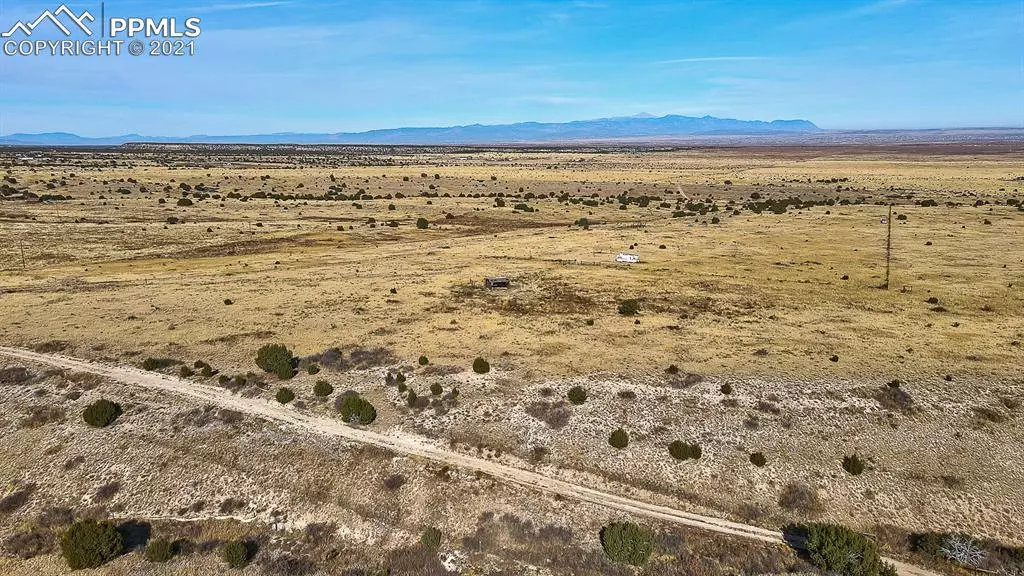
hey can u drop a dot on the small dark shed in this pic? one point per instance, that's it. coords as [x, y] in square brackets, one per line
[496, 282]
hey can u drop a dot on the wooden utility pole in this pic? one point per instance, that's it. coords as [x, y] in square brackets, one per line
[888, 247]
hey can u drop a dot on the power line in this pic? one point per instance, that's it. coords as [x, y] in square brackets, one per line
[888, 248]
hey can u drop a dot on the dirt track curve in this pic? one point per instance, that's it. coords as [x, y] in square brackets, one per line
[411, 445]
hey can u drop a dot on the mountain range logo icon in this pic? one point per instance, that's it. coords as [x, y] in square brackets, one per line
[27, 28]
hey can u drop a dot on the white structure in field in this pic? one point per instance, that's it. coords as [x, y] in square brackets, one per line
[624, 258]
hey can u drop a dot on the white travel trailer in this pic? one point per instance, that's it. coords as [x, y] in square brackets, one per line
[624, 258]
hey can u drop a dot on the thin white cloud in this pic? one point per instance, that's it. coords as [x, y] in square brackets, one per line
[238, 6]
[713, 59]
[866, 10]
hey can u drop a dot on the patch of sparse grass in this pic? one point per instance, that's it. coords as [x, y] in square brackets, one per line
[159, 550]
[555, 414]
[38, 416]
[431, 538]
[16, 499]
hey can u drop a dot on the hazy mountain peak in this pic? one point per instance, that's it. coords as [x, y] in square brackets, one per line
[642, 126]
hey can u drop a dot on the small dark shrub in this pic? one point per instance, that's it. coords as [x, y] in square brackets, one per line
[101, 413]
[577, 395]
[231, 505]
[627, 394]
[836, 549]
[480, 366]
[422, 223]
[619, 439]
[424, 361]
[91, 544]
[853, 464]
[726, 389]
[683, 451]
[322, 388]
[236, 554]
[356, 410]
[284, 395]
[431, 538]
[277, 359]
[629, 307]
[672, 369]
[228, 302]
[834, 358]
[186, 372]
[627, 543]
[158, 363]
[928, 543]
[312, 369]
[758, 459]
[436, 389]
[159, 550]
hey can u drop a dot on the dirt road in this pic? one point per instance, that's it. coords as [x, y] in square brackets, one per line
[411, 445]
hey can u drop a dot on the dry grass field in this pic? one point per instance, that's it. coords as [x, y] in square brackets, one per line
[763, 332]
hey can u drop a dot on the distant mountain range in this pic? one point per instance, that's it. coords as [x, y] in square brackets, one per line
[639, 127]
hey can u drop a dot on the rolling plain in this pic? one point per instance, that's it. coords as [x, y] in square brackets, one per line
[757, 327]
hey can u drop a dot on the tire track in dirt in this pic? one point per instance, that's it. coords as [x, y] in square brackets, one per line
[413, 446]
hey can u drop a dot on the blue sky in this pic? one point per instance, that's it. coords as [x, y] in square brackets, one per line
[275, 65]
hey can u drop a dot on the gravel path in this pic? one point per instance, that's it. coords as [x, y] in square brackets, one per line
[410, 445]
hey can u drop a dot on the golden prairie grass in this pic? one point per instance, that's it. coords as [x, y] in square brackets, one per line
[112, 273]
